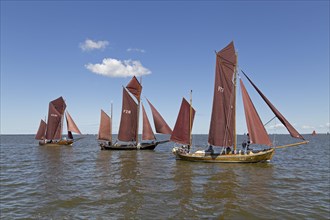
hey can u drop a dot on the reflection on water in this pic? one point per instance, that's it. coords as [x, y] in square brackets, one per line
[83, 182]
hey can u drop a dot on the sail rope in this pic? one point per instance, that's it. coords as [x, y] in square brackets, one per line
[274, 135]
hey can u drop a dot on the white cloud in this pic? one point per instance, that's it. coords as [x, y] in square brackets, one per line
[276, 126]
[327, 125]
[93, 45]
[307, 127]
[135, 50]
[117, 68]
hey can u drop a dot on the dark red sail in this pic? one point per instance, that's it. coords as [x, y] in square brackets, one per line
[160, 124]
[257, 131]
[105, 132]
[181, 132]
[293, 132]
[147, 133]
[41, 134]
[55, 118]
[128, 122]
[222, 124]
[72, 127]
[135, 88]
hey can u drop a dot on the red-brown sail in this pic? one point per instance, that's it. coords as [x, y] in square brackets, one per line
[160, 124]
[41, 131]
[181, 131]
[105, 132]
[55, 117]
[135, 88]
[147, 133]
[128, 121]
[71, 124]
[221, 131]
[257, 131]
[293, 132]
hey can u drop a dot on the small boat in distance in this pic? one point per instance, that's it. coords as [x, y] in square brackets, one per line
[129, 123]
[222, 132]
[50, 133]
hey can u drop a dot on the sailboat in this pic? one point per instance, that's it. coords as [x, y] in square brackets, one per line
[222, 132]
[129, 123]
[50, 133]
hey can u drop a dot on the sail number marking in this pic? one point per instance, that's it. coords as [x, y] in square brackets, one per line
[127, 111]
[220, 89]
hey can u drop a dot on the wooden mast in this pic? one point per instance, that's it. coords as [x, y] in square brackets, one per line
[235, 79]
[190, 119]
[111, 122]
[138, 116]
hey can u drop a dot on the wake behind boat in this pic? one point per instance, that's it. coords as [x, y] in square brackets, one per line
[50, 133]
[222, 131]
[129, 124]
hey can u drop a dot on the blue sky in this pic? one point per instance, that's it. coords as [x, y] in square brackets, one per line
[58, 48]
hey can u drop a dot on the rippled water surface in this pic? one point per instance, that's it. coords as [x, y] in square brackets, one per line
[83, 182]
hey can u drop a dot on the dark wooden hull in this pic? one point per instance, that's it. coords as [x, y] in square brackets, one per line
[141, 146]
[56, 144]
[251, 157]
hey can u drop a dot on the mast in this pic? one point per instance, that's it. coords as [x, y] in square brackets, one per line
[138, 116]
[235, 85]
[111, 122]
[190, 119]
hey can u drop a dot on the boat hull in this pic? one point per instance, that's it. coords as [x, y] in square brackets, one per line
[56, 144]
[260, 156]
[142, 146]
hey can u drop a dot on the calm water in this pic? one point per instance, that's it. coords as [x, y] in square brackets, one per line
[83, 182]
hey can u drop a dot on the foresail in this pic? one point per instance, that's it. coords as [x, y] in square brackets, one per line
[128, 121]
[41, 131]
[135, 88]
[293, 132]
[160, 125]
[222, 123]
[181, 131]
[257, 131]
[105, 132]
[71, 124]
[55, 118]
[147, 133]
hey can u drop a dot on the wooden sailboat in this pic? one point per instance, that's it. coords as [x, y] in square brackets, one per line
[129, 123]
[105, 129]
[222, 131]
[50, 133]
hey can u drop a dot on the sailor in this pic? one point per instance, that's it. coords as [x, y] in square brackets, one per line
[244, 145]
[210, 149]
[248, 141]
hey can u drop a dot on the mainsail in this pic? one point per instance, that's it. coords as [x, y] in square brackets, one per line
[222, 124]
[105, 132]
[147, 133]
[160, 124]
[181, 132]
[293, 132]
[41, 131]
[257, 131]
[72, 127]
[55, 119]
[128, 123]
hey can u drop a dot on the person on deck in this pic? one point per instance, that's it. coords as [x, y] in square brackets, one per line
[246, 143]
[210, 149]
